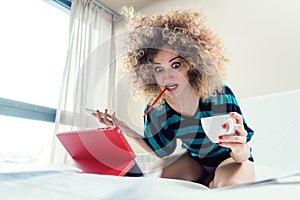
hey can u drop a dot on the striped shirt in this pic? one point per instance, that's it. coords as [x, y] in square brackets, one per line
[163, 126]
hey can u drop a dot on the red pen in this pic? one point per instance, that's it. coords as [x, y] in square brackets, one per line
[154, 102]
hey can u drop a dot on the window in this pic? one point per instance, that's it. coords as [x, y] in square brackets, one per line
[34, 42]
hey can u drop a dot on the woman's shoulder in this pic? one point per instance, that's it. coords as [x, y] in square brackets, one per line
[227, 89]
[224, 90]
[222, 96]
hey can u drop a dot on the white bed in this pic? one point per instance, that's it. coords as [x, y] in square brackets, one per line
[73, 185]
[276, 121]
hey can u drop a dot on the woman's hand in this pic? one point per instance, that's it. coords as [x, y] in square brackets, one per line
[111, 120]
[105, 118]
[240, 150]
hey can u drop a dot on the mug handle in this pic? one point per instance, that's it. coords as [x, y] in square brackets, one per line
[230, 121]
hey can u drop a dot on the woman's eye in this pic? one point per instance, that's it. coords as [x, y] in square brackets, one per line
[176, 65]
[158, 69]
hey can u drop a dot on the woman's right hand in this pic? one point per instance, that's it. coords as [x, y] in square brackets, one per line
[105, 118]
[111, 120]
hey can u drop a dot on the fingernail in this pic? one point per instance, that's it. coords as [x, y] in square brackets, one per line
[231, 114]
[220, 137]
[220, 143]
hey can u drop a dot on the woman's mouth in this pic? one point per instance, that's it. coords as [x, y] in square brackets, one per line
[172, 87]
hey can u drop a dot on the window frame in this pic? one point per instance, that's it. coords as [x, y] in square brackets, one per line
[64, 5]
[21, 109]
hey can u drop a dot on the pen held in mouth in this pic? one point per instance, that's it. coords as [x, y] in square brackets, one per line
[155, 101]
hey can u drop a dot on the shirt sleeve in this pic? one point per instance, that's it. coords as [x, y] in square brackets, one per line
[157, 135]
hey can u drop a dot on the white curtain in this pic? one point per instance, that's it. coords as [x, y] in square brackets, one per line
[89, 74]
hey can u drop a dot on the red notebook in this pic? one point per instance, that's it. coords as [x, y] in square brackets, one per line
[99, 151]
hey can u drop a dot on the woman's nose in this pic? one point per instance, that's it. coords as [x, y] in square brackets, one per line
[169, 73]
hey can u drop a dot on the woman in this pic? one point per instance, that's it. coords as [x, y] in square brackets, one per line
[175, 55]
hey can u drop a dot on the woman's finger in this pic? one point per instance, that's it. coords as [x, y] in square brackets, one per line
[232, 139]
[240, 130]
[103, 118]
[237, 116]
[99, 117]
[114, 119]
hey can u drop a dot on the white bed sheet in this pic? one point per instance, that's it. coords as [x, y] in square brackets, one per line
[70, 184]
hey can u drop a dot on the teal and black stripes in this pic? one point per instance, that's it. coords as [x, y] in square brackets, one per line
[163, 126]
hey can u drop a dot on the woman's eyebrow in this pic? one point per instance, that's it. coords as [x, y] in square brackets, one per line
[155, 63]
[174, 58]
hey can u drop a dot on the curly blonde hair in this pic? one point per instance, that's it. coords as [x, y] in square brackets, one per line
[186, 33]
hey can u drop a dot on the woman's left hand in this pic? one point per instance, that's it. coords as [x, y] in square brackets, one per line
[237, 142]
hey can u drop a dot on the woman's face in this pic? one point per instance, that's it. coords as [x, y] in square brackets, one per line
[170, 70]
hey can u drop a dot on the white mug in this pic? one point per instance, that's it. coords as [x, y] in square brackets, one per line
[213, 126]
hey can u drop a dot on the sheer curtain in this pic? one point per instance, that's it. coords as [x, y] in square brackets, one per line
[89, 74]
